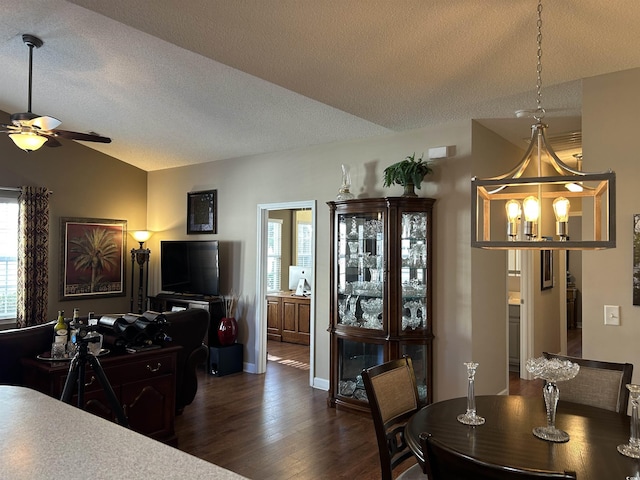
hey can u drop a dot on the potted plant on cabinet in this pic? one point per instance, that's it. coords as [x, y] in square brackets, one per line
[409, 173]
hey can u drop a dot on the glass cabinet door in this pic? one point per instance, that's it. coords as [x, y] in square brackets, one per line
[360, 270]
[355, 356]
[420, 360]
[413, 272]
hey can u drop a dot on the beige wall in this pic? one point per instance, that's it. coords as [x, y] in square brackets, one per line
[610, 129]
[314, 173]
[85, 184]
[486, 270]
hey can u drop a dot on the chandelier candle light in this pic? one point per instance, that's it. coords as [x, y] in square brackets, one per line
[550, 186]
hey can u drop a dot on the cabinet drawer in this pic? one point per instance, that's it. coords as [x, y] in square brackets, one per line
[144, 368]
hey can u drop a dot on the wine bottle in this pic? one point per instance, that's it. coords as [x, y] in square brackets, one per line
[60, 332]
[73, 328]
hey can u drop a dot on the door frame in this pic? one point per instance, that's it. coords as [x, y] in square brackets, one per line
[261, 282]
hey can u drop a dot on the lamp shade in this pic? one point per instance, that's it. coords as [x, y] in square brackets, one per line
[142, 235]
[28, 141]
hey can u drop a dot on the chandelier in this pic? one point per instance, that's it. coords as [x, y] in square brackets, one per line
[529, 207]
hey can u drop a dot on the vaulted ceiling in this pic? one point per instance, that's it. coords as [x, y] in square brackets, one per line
[181, 82]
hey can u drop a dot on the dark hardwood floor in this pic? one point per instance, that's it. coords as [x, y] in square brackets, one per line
[276, 427]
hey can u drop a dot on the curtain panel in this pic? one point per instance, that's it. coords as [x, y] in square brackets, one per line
[33, 256]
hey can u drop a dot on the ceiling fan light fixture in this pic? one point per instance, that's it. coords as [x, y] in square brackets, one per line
[27, 141]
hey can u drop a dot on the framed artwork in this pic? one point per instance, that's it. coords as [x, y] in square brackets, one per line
[202, 210]
[546, 269]
[92, 258]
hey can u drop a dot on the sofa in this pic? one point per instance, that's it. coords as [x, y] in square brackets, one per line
[187, 329]
[18, 343]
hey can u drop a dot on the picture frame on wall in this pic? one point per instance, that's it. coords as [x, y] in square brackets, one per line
[546, 269]
[202, 210]
[92, 258]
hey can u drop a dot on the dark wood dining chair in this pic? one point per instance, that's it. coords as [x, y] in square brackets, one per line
[599, 384]
[444, 463]
[393, 399]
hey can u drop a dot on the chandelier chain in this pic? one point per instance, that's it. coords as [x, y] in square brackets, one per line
[539, 115]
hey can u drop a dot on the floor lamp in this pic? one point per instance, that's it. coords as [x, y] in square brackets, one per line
[141, 257]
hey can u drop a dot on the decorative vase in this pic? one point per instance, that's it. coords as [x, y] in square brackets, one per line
[344, 193]
[228, 331]
[409, 190]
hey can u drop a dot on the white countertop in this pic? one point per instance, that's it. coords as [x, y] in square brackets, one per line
[42, 437]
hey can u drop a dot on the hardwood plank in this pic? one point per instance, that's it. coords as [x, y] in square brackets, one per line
[275, 426]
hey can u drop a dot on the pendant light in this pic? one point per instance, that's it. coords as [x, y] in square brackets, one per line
[539, 193]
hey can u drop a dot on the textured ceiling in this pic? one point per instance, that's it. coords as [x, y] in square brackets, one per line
[175, 83]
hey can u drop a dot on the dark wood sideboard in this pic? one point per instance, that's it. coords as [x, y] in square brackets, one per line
[144, 383]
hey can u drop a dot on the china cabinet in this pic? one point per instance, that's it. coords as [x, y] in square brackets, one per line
[381, 257]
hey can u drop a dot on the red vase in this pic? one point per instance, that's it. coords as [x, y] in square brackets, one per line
[228, 331]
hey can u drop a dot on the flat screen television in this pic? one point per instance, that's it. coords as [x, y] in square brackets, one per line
[190, 267]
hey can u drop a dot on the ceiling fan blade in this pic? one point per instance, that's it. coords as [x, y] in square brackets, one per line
[52, 142]
[44, 123]
[86, 137]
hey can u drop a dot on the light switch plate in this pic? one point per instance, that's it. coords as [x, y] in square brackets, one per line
[612, 315]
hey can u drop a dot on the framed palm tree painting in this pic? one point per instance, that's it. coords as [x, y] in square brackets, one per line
[92, 261]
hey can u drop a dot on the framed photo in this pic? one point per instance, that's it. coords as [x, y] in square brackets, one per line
[92, 258]
[546, 269]
[202, 210]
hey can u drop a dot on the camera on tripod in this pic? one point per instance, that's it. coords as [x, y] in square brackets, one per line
[82, 334]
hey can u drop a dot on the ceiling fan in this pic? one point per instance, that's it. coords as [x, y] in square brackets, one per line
[30, 131]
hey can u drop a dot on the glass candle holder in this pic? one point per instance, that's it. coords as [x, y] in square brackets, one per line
[471, 417]
[632, 449]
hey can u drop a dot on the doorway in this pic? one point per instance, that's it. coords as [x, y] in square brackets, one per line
[262, 280]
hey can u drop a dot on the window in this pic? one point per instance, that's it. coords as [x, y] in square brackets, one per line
[274, 254]
[8, 254]
[304, 255]
[303, 239]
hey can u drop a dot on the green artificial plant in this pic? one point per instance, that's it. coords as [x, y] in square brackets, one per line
[407, 172]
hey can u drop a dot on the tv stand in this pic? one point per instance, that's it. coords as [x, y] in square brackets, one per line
[164, 302]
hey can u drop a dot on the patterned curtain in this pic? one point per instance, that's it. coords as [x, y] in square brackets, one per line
[33, 256]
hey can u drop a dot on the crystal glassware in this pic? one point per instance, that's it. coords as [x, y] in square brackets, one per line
[344, 193]
[471, 417]
[632, 449]
[552, 370]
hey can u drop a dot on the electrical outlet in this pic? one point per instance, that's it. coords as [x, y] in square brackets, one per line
[612, 315]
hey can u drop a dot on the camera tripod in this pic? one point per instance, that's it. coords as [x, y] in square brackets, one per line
[77, 375]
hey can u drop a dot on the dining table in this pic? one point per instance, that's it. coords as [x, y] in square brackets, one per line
[506, 438]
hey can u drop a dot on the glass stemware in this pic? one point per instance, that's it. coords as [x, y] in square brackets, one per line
[552, 370]
[632, 449]
[471, 417]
